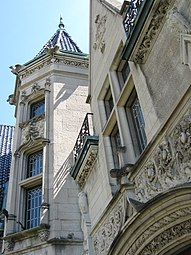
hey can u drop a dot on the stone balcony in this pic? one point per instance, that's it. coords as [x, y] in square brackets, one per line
[85, 151]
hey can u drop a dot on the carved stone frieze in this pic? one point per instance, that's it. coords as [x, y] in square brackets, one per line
[100, 31]
[9, 245]
[44, 235]
[111, 226]
[152, 32]
[66, 61]
[83, 175]
[169, 164]
[157, 226]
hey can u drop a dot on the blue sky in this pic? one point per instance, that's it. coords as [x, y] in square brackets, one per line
[25, 26]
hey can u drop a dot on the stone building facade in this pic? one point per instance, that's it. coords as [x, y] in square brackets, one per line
[125, 187]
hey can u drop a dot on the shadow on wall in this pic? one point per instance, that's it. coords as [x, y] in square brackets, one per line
[62, 174]
[65, 92]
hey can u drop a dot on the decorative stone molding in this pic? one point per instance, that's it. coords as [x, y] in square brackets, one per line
[44, 235]
[68, 61]
[152, 32]
[185, 49]
[9, 245]
[169, 165]
[177, 23]
[87, 166]
[158, 241]
[100, 31]
[108, 230]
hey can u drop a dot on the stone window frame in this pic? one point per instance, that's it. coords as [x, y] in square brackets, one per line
[130, 152]
[28, 183]
[137, 130]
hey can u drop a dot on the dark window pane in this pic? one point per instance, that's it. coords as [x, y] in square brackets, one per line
[108, 101]
[37, 109]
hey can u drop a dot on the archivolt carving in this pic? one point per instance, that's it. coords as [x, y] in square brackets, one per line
[106, 233]
[169, 165]
[152, 31]
[159, 225]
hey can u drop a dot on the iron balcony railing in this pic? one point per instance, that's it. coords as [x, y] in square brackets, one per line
[86, 130]
[131, 15]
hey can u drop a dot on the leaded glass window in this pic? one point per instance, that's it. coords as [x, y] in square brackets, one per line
[34, 201]
[35, 164]
[139, 124]
[108, 101]
[115, 144]
[37, 109]
[136, 123]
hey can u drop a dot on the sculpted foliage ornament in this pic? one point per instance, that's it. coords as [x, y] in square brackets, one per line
[44, 235]
[106, 233]
[152, 32]
[9, 245]
[82, 177]
[169, 165]
[100, 31]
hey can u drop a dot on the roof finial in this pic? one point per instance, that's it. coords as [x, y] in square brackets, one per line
[61, 25]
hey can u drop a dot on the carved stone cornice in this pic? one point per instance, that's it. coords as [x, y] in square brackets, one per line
[65, 60]
[141, 52]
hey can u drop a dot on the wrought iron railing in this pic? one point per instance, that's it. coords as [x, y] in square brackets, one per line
[86, 130]
[131, 15]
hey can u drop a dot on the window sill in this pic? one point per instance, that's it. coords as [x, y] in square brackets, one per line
[32, 181]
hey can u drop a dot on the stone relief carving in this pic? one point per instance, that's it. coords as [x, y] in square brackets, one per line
[71, 62]
[106, 233]
[82, 177]
[44, 235]
[32, 130]
[157, 226]
[152, 32]
[35, 88]
[177, 22]
[169, 165]
[9, 245]
[100, 31]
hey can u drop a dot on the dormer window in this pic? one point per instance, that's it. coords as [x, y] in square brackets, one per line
[37, 108]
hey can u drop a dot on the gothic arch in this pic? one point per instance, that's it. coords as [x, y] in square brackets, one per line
[161, 227]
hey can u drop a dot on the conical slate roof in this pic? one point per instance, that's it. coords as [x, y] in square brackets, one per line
[61, 39]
